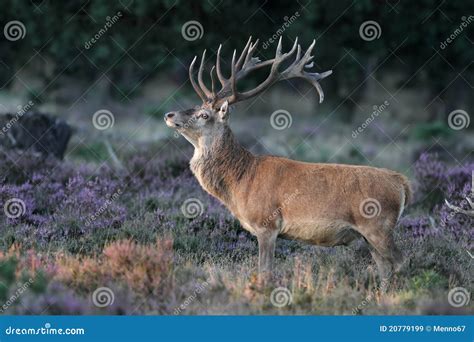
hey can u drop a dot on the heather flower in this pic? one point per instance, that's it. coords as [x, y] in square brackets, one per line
[429, 172]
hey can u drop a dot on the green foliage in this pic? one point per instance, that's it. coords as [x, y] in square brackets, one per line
[12, 283]
[93, 152]
[427, 280]
[7, 276]
[426, 131]
[39, 283]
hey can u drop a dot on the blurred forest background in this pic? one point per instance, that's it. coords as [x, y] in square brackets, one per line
[400, 97]
[146, 44]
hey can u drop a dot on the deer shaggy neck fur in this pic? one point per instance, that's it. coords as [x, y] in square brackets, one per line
[222, 163]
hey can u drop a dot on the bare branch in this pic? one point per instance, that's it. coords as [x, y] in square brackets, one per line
[460, 210]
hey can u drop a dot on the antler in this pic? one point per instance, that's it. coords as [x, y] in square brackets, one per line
[469, 212]
[247, 63]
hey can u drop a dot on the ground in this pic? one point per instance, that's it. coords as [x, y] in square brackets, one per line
[95, 236]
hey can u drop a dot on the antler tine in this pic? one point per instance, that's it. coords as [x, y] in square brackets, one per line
[252, 49]
[244, 54]
[243, 66]
[273, 76]
[307, 56]
[193, 82]
[295, 45]
[279, 47]
[213, 90]
[298, 54]
[201, 82]
[221, 77]
[293, 49]
[318, 87]
[233, 77]
[297, 70]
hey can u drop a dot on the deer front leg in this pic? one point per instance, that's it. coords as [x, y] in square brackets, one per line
[266, 253]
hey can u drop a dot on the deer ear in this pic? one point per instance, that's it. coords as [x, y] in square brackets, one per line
[224, 110]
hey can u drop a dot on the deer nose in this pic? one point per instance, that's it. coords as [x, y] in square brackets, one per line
[169, 115]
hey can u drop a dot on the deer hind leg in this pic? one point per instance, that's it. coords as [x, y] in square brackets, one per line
[384, 250]
[266, 254]
[384, 263]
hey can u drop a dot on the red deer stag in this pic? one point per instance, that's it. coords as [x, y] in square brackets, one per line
[322, 204]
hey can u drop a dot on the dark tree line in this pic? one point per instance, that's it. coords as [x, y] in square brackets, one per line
[411, 32]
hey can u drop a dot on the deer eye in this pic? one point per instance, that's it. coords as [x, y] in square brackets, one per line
[205, 116]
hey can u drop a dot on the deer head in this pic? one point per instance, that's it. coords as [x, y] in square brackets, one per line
[207, 120]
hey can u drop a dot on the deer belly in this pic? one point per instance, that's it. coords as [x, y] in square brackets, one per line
[323, 233]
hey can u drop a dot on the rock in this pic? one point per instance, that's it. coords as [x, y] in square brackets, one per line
[36, 132]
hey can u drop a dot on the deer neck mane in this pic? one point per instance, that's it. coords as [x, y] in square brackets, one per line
[221, 163]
